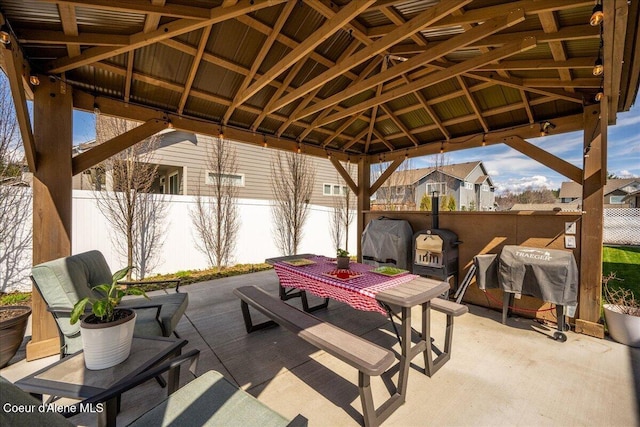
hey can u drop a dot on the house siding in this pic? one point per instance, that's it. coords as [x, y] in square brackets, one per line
[189, 152]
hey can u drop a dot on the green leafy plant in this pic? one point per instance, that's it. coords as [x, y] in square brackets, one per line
[342, 253]
[105, 308]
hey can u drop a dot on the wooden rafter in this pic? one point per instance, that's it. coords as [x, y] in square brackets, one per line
[174, 11]
[344, 174]
[341, 129]
[67, 14]
[332, 25]
[169, 30]
[195, 64]
[13, 65]
[436, 77]
[473, 103]
[489, 27]
[544, 157]
[355, 139]
[103, 151]
[422, 20]
[264, 50]
[47, 37]
[550, 24]
[383, 139]
[386, 174]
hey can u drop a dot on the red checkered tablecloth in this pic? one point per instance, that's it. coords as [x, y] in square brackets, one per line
[359, 292]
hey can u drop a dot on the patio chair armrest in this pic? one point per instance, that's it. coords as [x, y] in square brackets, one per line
[169, 282]
[115, 391]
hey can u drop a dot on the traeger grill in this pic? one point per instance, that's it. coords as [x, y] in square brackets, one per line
[435, 254]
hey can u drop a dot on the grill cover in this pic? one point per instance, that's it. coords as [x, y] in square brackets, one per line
[547, 274]
[387, 242]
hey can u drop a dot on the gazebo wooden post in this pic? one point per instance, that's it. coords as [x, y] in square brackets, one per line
[53, 108]
[594, 179]
[364, 198]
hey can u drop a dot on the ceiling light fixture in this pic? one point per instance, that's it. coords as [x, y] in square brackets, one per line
[5, 37]
[598, 67]
[545, 126]
[597, 15]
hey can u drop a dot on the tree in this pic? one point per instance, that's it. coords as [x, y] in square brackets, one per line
[15, 197]
[136, 215]
[216, 217]
[425, 202]
[342, 214]
[397, 192]
[293, 178]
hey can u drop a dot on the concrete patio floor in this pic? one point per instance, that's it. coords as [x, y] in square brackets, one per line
[511, 375]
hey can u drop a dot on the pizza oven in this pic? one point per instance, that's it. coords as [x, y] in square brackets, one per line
[435, 253]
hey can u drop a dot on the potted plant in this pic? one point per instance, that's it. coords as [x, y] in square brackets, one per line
[13, 323]
[108, 331]
[342, 259]
[622, 313]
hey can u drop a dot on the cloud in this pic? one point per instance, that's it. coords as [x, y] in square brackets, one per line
[518, 185]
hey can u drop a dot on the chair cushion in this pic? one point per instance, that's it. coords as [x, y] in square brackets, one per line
[30, 414]
[211, 400]
[64, 281]
[173, 307]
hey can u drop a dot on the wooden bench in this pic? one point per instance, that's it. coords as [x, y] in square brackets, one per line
[451, 309]
[368, 358]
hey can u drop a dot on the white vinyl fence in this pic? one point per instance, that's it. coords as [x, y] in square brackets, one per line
[622, 226]
[255, 243]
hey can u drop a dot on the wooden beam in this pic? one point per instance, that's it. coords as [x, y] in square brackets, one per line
[14, 66]
[169, 30]
[48, 37]
[331, 26]
[103, 151]
[544, 157]
[550, 25]
[52, 207]
[563, 124]
[257, 61]
[344, 174]
[541, 64]
[590, 291]
[363, 199]
[419, 22]
[435, 78]
[489, 27]
[341, 129]
[141, 7]
[195, 64]
[473, 103]
[67, 14]
[587, 82]
[395, 164]
[117, 108]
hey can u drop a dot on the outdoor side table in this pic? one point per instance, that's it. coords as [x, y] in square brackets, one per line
[70, 378]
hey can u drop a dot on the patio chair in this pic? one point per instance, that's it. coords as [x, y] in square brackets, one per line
[208, 400]
[64, 281]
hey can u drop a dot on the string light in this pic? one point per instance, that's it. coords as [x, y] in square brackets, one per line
[484, 142]
[221, 133]
[328, 155]
[545, 126]
[34, 80]
[599, 94]
[597, 15]
[598, 66]
[441, 147]
[264, 141]
[299, 150]
[5, 37]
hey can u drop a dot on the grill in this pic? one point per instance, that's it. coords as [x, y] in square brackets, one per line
[435, 253]
[387, 242]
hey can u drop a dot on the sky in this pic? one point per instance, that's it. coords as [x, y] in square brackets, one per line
[509, 169]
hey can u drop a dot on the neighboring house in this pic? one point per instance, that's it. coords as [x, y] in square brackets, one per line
[558, 207]
[468, 183]
[633, 199]
[616, 192]
[183, 169]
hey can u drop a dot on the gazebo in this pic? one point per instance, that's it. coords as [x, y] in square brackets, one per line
[360, 81]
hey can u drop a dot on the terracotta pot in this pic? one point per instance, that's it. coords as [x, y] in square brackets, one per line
[107, 344]
[12, 332]
[623, 328]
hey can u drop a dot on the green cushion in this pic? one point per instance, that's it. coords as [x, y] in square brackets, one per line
[211, 400]
[27, 415]
[64, 281]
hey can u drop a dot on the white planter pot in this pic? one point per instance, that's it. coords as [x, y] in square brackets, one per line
[106, 345]
[623, 328]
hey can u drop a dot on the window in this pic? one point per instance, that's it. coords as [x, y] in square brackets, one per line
[485, 187]
[616, 200]
[468, 185]
[440, 187]
[333, 189]
[230, 179]
[399, 191]
[174, 184]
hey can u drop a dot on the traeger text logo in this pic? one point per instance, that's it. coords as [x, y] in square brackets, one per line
[534, 254]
